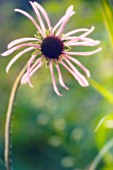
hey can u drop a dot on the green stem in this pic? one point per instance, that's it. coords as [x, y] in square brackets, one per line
[100, 155]
[7, 152]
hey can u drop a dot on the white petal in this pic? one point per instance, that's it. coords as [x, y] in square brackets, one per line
[39, 18]
[31, 18]
[16, 57]
[74, 74]
[17, 41]
[44, 14]
[81, 79]
[88, 32]
[60, 77]
[79, 64]
[6, 53]
[69, 13]
[32, 71]
[84, 53]
[75, 31]
[53, 79]
[31, 60]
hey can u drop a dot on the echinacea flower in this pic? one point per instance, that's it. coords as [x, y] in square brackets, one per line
[52, 46]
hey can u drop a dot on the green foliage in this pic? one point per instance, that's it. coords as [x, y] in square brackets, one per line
[107, 13]
[58, 133]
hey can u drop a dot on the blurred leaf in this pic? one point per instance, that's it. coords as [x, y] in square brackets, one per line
[100, 123]
[107, 13]
[106, 120]
[103, 91]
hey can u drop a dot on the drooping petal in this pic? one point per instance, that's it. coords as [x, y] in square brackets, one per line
[73, 73]
[84, 53]
[44, 14]
[88, 32]
[25, 77]
[60, 77]
[75, 31]
[6, 53]
[33, 67]
[20, 40]
[31, 18]
[79, 64]
[16, 57]
[69, 13]
[89, 41]
[81, 78]
[31, 60]
[53, 79]
[39, 18]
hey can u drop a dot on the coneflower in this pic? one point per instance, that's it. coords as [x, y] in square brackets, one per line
[52, 46]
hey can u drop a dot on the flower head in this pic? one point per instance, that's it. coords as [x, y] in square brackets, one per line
[52, 46]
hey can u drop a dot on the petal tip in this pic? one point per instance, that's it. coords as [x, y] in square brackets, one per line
[31, 2]
[67, 88]
[88, 74]
[3, 54]
[7, 70]
[60, 95]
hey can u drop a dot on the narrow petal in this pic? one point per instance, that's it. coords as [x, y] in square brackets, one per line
[31, 18]
[53, 79]
[16, 57]
[44, 14]
[89, 41]
[59, 23]
[84, 53]
[6, 53]
[60, 77]
[20, 41]
[39, 18]
[79, 44]
[82, 80]
[74, 38]
[73, 73]
[36, 63]
[75, 31]
[32, 71]
[79, 64]
[88, 32]
[28, 67]
[69, 13]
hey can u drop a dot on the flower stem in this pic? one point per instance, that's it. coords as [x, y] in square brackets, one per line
[8, 126]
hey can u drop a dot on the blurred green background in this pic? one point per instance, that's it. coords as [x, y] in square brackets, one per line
[51, 132]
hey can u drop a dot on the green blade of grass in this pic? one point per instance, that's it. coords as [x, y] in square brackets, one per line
[107, 14]
[103, 91]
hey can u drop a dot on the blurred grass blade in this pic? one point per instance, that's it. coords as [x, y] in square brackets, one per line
[100, 123]
[107, 14]
[100, 155]
[107, 121]
[104, 92]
